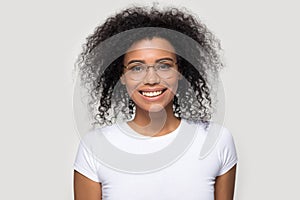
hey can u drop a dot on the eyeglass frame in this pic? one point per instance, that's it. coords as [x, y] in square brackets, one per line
[153, 65]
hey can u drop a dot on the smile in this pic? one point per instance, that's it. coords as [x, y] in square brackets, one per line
[152, 93]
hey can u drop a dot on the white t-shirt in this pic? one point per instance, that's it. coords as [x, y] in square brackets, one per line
[130, 166]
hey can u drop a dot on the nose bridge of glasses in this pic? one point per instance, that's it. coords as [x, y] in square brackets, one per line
[151, 76]
[154, 66]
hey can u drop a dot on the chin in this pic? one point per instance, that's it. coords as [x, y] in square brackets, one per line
[156, 108]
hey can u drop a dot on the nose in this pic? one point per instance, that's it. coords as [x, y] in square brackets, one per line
[151, 77]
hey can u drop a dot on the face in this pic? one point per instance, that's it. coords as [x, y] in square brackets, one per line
[151, 74]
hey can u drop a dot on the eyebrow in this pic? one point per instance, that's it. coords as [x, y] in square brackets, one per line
[156, 61]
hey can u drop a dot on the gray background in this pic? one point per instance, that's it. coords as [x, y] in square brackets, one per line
[40, 41]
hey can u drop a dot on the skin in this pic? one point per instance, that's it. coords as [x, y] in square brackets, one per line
[224, 185]
[85, 188]
[154, 117]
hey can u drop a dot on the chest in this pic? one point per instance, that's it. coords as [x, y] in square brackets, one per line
[186, 178]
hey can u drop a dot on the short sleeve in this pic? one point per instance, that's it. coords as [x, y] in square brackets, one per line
[227, 152]
[85, 163]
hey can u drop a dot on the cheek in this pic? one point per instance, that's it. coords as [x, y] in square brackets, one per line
[131, 89]
[173, 86]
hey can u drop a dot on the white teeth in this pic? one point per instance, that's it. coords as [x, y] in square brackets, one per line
[151, 94]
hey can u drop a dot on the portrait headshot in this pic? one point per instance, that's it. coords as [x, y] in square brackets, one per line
[150, 75]
[147, 100]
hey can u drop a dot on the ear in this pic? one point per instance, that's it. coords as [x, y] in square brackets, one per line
[122, 79]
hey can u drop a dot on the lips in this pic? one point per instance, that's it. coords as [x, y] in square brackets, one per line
[152, 93]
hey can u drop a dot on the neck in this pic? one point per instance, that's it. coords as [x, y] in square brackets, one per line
[154, 123]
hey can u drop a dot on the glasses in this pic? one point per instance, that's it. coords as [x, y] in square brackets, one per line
[164, 69]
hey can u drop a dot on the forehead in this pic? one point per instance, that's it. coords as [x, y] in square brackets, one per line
[154, 43]
[148, 48]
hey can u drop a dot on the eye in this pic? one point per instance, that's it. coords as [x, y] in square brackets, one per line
[136, 68]
[164, 66]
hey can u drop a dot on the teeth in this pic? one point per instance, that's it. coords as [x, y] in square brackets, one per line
[151, 94]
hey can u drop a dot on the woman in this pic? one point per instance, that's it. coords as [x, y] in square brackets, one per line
[154, 70]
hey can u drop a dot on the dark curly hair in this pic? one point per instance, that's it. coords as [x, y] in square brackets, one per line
[100, 64]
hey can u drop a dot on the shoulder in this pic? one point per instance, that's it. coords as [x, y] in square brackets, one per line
[216, 137]
[225, 138]
[99, 132]
[210, 128]
[221, 135]
[97, 137]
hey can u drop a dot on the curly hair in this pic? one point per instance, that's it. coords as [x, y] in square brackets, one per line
[101, 62]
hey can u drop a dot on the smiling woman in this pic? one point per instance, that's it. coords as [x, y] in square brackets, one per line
[152, 90]
[152, 70]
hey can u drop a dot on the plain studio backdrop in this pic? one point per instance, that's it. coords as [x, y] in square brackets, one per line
[40, 41]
